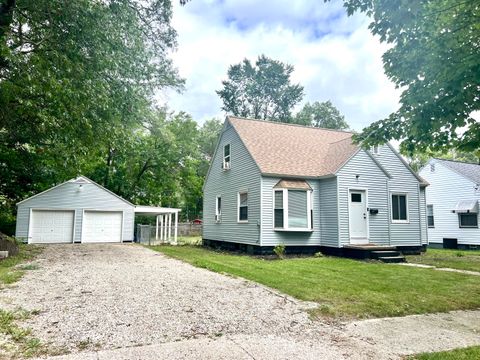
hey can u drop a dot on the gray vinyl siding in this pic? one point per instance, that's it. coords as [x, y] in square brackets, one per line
[374, 180]
[67, 197]
[243, 175]
[402, 181]
[447, 187]
[328, 212]
[271, 237]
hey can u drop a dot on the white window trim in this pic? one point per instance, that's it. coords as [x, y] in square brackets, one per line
[285, 211]
[218, 214]
[224, 163]
[406, 204]
[433, 215]
[238, 207]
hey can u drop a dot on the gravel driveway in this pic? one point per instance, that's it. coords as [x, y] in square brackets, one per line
[94, 297]
[128, 302]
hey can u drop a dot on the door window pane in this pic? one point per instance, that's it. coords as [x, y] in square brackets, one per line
[356, 197]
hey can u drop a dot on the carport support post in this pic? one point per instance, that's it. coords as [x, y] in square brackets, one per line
[170, 227]
[156, 229]
[176, 227]
[161, 228]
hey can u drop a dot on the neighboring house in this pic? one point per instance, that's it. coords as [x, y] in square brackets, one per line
[82, 211]
[452, 203]
[308, 188]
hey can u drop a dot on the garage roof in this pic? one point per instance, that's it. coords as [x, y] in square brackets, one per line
[78, 180]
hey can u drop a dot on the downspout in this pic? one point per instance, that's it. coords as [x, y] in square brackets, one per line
[388, 213]
[419, 214]
[259, 221]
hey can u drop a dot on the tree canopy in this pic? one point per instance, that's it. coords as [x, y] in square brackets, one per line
[77, 80]
[435, 59]
[321, 114]
[261, 91]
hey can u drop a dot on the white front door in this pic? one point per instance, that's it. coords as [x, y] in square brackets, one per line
[51, 226]
[102, 226]
[357, 202]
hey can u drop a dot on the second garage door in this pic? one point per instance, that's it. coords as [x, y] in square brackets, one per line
[102, 226]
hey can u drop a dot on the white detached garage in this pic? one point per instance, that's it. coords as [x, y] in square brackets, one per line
[76, 211]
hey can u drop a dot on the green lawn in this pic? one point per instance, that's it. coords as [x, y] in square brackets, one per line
[455, 259]
[9, 272]
[344, 287]
[469, 353]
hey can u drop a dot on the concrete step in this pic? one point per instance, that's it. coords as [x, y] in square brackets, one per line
[387, 253]
[392, 259]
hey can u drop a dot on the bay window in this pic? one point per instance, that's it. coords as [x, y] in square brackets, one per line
[292, 209]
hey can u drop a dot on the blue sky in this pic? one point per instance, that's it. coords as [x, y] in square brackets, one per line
[335, 56]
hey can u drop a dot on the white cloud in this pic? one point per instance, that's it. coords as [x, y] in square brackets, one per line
[335, 56]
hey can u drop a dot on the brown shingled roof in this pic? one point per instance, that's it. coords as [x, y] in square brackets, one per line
[293, 150]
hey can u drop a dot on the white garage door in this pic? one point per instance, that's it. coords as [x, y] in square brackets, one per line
[51, 226]
[102, 226]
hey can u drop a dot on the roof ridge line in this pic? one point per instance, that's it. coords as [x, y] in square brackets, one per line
[456, 161]
[290, 124]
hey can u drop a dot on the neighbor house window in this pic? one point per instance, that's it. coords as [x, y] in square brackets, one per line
[243, 206]
[468, 220]
[218, 209]
[430, 218]
[292, 209]
[226, 157]
[399, 208]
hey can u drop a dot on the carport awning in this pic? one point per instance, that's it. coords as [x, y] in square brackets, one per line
[154, 210]
[466, 206]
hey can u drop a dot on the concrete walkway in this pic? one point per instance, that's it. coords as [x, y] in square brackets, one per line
[423, 266]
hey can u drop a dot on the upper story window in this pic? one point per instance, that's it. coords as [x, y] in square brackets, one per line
[226, 157]
[430, 217]
[399, 208]
[432, 167]
[218, 209]
[375, 149]
[293, 209]
[468, 220]
[242, 207]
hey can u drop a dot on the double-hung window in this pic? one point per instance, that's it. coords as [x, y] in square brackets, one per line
[218, 209]
[292, 209]
[430, 217]
[226, 164]
[399, 208]
[242, 207]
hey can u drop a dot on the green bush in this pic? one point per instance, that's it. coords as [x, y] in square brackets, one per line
[279, 250]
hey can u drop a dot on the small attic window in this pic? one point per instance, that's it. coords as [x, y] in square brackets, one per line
[432, 167]
[375, 149]
[226, 157]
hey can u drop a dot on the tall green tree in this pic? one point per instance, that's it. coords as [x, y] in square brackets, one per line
[75, 76]
[261, 91]
[321, 114]
[434, 57]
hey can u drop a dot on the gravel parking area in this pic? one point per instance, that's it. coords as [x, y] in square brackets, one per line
[93, 297]
[128, 302]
